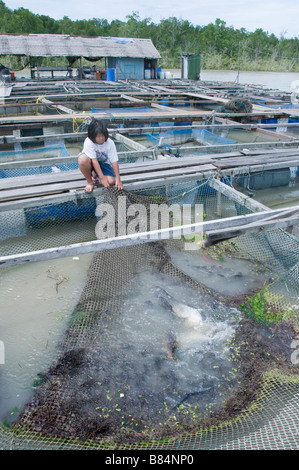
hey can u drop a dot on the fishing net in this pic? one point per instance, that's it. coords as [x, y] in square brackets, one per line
[52, 158]
[110, 388]
[173, 138]
[239, 105]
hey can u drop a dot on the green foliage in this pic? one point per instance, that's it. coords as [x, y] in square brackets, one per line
[258, 309]
[78, 317]
[38, 381]
[220, 46]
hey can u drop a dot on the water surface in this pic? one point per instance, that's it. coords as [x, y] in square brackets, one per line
[36, 301]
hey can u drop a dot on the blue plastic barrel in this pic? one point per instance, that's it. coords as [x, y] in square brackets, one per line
[110, 75]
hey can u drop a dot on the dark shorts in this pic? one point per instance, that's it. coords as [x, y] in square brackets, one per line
[106, 169]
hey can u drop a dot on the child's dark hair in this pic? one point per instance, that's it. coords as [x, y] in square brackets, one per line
[97, 127]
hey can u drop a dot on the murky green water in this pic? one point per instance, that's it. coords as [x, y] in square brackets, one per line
[35, 303]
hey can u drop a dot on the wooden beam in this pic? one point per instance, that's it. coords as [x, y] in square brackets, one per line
[240, 198]
[241, 170]
[126, 169]
[133, 239]
[78, 193]
[50, 183]
[144, 130]
[287, 218]
[79, 182]
[64, 109]
[137, 117]
[129, 142]
[249, 161]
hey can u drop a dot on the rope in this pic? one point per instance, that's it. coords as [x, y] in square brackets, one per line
[190, 190]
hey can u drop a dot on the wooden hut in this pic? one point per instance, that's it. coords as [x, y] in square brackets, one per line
[125, 58]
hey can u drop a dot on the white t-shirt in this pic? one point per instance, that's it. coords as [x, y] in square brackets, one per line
[105, 153]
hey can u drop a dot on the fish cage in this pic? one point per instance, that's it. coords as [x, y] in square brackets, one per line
[28, 161]
[132, 110]
[51, 158]
[173, 138]
[183, 139]
[173, 343]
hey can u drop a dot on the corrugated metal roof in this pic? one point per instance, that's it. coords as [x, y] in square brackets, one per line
[49, 45]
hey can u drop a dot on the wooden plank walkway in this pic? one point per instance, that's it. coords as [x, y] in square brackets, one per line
[158, 113]
[65, 181]
[147, 173]
[258, 159]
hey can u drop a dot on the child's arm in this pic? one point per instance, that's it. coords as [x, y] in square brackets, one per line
[118, 182]
[103, 178]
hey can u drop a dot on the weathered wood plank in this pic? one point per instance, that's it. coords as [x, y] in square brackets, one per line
[287, 218]
[79, 182]
[67, 180]
[248, 161]
[60, 107]
[242, 199]
[138, 116]
[272, 152]
[130, 240]
[144, 130]
[39, 179]
[78, 193]
[240, 170]
[126, 169]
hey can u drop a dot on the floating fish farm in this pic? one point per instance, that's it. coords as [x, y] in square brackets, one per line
[181, 329]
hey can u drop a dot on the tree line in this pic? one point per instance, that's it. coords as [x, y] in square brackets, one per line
[220, 46]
